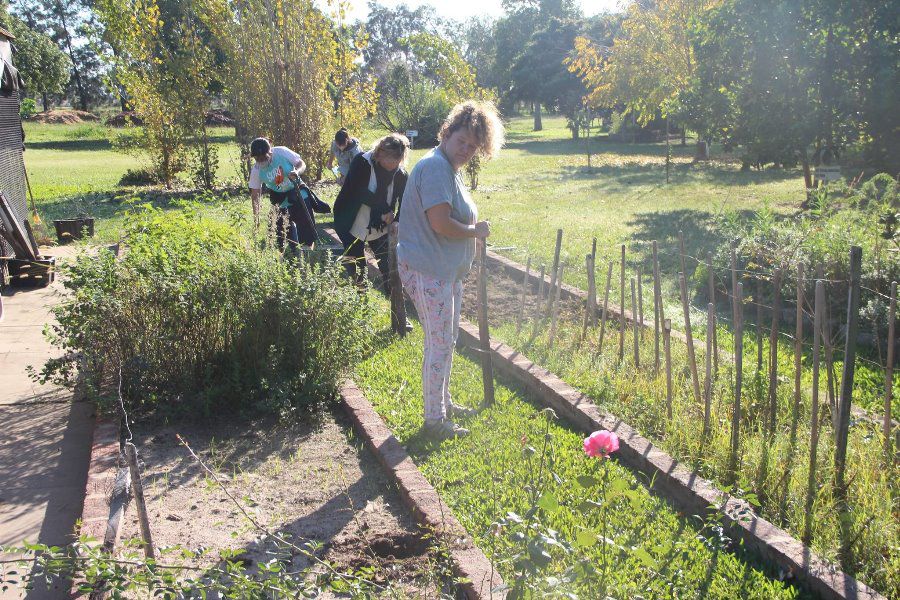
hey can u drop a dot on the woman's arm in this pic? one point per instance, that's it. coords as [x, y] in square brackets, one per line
[299, 168]
[254, 201]
[443, 224]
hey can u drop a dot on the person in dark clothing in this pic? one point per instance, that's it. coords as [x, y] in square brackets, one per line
[368, 203]
[278, 169]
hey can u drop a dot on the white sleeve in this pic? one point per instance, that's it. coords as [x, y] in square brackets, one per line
[254, 183]
[287, 153]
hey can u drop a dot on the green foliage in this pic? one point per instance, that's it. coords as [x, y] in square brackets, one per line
[43, 66]
[134, 177]
[28, 108]
[410, 102]
[199, 320]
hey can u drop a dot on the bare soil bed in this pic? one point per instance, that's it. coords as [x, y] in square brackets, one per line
[305, 481]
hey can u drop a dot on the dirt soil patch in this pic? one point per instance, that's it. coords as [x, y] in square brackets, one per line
[64, 117]
[305, 481]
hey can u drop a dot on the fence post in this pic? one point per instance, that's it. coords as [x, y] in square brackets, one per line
[540, 297]
[484, 335]
[605, 308]
[657, 307]
[712, 298]
[592, 285]
[814, 424]
[738, 379]
[773, 354]
[692, 358]
[707, 390]
[140, 503]
[667, 338]
[554, 306]
[889, 374]
[524, 295]
[635, 328]
[759, 318]
[556, 252]
[398, 307]
[846, 397]
[589, 312]
[798, 355]
[640, 299]
[681, 251]
[622, 306]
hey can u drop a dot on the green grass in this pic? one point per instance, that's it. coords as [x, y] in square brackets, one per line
[489, 474]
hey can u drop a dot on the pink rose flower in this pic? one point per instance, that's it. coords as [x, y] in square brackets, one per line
[601, 443]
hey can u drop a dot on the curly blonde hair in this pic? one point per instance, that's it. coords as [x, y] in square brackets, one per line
[393, 145]
[481, 120]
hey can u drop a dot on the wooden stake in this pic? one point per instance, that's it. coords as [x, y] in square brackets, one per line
[657, 307]
[554, 306]
[667, 338]
[759, 318]
[636, 327]
[798, 355]
[889, 374]
[592, 282]
[707, 390]
[814, 423]
[524, 295]
[692, 358]
[640, 298]
[140, 503]
[398, 307]
[712, 298]
[846, 397]
[484, 334]
[556, 252]
[738, 379]
[540, 297]
[609, 273]
[622, 306]
[589, 313]
[681, 251]
[773, 354]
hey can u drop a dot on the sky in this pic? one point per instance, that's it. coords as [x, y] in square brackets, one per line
[461, 9]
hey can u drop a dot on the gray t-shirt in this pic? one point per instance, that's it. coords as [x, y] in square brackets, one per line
[433, 181]
[345, 157]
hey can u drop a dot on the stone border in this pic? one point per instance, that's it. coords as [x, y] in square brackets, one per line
[103, 497]
[672, 480]
[480, 580]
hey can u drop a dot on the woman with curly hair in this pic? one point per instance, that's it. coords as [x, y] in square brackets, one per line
[439, 226]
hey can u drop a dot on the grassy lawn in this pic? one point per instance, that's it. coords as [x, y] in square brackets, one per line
[654, 552]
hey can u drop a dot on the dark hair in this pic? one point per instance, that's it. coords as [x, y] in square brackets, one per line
[342, 137]
[259, 147]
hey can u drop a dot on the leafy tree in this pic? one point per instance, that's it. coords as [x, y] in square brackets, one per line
[43, 66]
[650, 62]
[386, 27]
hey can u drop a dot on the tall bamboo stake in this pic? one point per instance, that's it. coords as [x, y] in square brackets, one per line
[798, 355]
[707, 389]
[814, 423]
[524, 295]
[592, 283]
[738, 380]
[556, 252]
[640, 298]
[773, 354]
[712, 298]
[622, 306]
[667, 338]
[636, 327]
[657, 307]
[692, 358]
[484, 334]
[609, 273]
[554, 306]
[759, 318]
[889, 374]
[846, 398]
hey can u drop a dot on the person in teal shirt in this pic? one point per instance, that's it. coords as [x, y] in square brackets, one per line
[279, 168]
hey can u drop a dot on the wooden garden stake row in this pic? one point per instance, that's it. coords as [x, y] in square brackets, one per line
[846, 397]
[814, 424]
[635, 326]
[524, 295]
[484, 334]
[609, 273]
[622, 306]
[692, 358]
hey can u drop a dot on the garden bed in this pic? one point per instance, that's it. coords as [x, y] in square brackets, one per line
[309, 482]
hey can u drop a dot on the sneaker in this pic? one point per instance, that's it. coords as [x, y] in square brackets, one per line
[444, 430]
[458, 410]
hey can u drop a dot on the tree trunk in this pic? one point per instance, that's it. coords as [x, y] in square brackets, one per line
[45, 101]
[683, 135]
[538, 125]
[61, 13]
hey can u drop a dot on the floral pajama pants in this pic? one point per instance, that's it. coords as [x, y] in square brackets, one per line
[439, 304]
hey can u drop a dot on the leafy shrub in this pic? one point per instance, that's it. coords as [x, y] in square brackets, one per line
[27, 108]
[139, 177]
[200, 320]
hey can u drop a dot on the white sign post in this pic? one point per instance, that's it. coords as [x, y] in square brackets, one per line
[412, 134]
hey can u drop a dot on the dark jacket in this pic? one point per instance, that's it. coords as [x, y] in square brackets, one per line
[355, 192]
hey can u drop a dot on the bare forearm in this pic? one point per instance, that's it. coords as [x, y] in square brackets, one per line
[451, 228]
